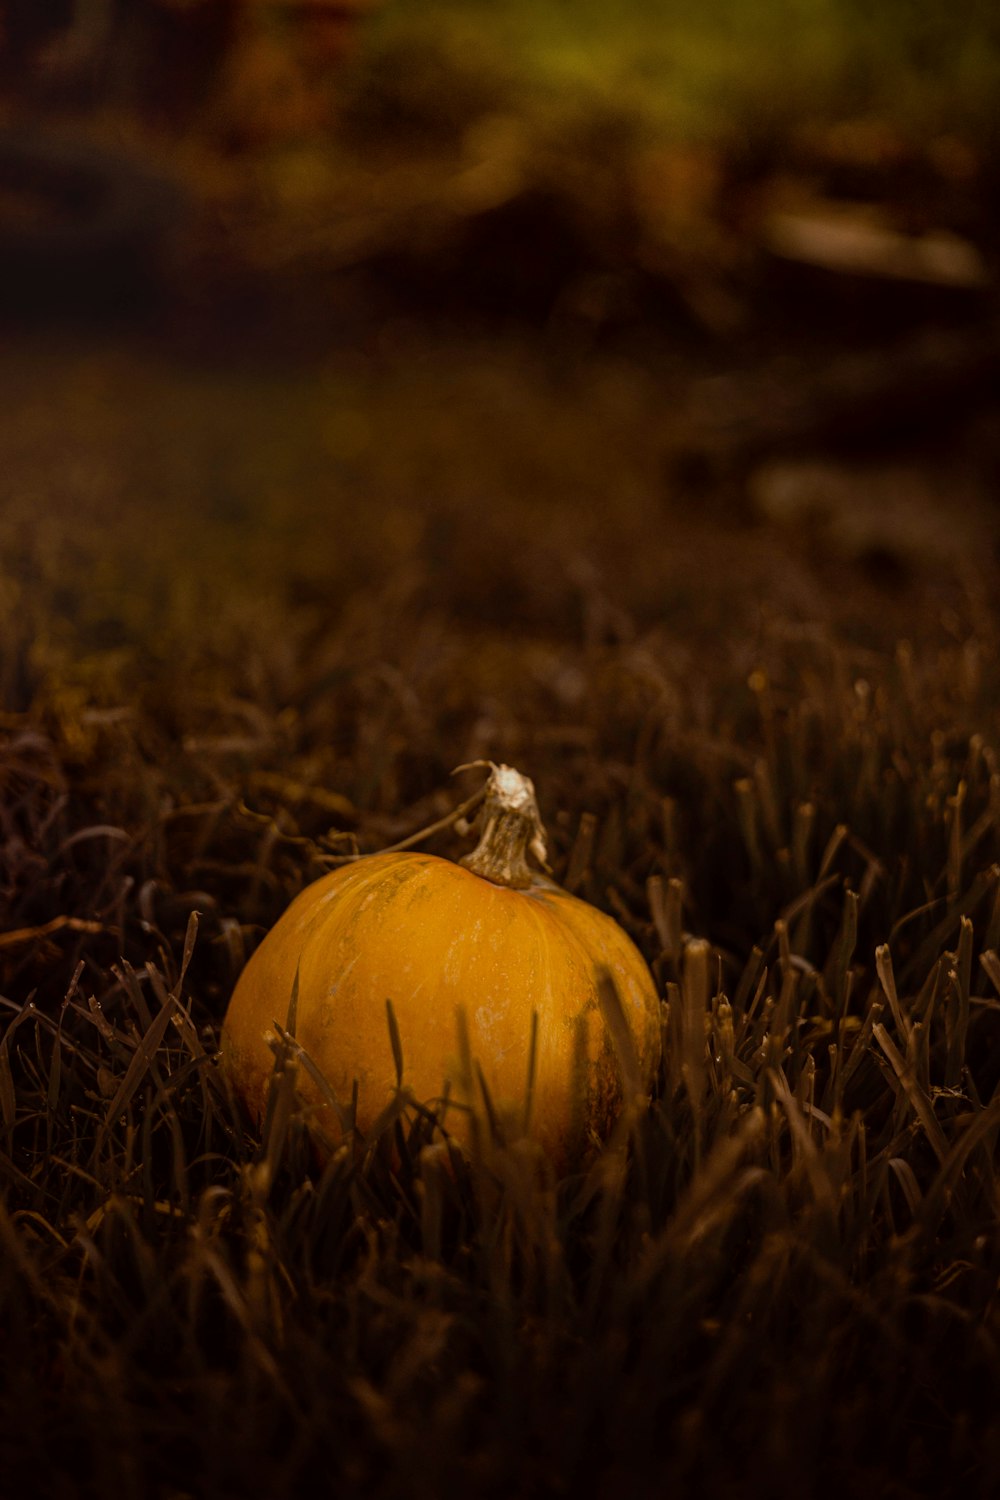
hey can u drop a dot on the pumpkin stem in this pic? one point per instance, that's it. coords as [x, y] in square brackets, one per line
[509, 829]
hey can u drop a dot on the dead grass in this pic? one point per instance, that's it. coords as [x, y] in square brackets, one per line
[780, 1277]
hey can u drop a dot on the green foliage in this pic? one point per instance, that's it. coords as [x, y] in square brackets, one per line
[724, 68]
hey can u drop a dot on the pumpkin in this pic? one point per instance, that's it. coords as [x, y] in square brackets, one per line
[495, 978]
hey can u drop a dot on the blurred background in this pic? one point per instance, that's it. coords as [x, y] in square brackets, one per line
[537, 318]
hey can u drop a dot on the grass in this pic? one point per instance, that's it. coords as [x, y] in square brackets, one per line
[780, 1276]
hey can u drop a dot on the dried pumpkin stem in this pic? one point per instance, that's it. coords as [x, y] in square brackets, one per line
[456, 815]
[509, 829]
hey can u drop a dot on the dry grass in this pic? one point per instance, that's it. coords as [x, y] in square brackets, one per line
[780, 1277]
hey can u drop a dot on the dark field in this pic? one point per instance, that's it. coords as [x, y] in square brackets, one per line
[704, 541]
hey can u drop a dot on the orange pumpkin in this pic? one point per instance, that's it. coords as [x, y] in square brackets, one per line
[468, 955]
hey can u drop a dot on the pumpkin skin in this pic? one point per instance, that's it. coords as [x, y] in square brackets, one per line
[433, 937]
